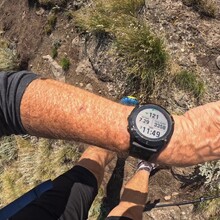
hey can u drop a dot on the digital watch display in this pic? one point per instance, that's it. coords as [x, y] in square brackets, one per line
[150, 128]
[151, 123]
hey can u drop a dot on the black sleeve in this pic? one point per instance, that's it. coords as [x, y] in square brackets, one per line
[12, 87]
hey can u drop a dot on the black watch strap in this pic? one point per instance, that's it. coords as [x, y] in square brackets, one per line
[141, 152]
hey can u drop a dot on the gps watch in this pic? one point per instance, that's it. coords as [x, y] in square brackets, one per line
[150, 127]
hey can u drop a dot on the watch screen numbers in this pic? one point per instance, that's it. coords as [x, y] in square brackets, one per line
[151, 123]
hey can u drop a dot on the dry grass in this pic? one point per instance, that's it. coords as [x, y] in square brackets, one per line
[31, 161]
[8, 56]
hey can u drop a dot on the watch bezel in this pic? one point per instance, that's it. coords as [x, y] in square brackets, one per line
[143, 140]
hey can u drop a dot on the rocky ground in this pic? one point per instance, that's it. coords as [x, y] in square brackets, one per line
[193, 41]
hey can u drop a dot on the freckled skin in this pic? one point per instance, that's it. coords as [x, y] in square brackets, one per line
[57, 110]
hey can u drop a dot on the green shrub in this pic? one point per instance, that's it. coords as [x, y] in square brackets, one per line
[54, 52]
[65, 63]
[189, 81]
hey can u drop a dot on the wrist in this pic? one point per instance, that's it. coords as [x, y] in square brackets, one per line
[122, 141]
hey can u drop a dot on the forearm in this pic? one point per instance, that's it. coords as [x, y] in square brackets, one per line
[196, 137]
[57, 110]
[95, 159]
[134, 197]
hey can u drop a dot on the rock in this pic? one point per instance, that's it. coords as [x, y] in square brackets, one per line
[56, 69]
[81, 84]
[192, 58]
[84, 68]
[89, 87]
[40, 12]
[75, 41]
[167, 198]
[218, 62]
[175, 194]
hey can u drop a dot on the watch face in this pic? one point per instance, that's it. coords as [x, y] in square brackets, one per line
[151, 123]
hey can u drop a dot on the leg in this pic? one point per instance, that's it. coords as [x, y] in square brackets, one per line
[73, 192]
[94, 160]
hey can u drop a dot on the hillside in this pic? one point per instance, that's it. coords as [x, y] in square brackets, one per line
[76, 42]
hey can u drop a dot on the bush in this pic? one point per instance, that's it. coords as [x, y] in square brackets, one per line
[54, 52]
[189, 81]
[65, 63]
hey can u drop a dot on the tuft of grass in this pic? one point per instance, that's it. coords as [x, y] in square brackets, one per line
[143, 52]
[106, 15]
[8, 57]
[65, 63]
[189, 81]
[205, 7]
[51, 24]
[54, 52]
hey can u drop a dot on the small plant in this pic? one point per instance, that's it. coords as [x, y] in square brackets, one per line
[54, 52]
[65, 63]
[56, 45]
[189, 81]
[51, 23]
